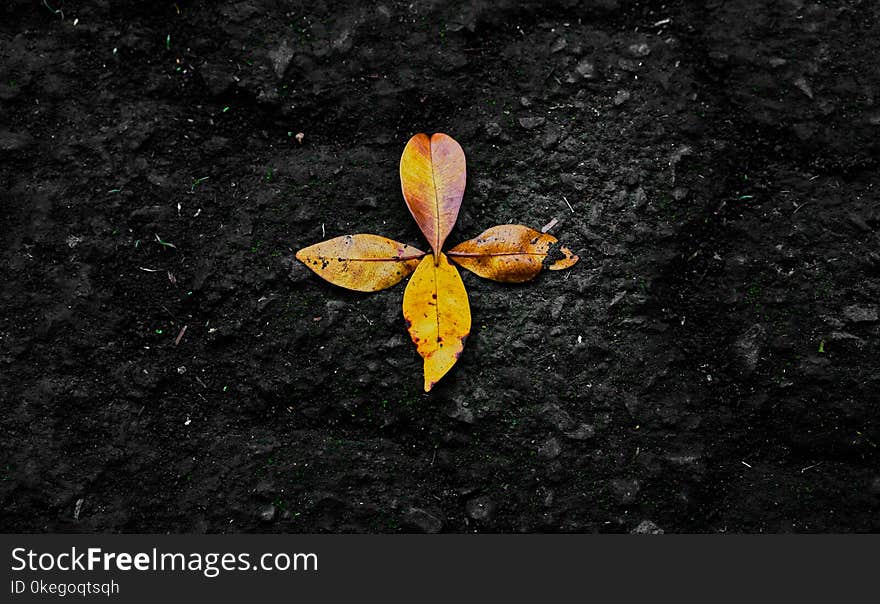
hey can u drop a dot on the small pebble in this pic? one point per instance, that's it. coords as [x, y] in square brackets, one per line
[646, 527]
[621, 97]
[267, 514]
[530, 123]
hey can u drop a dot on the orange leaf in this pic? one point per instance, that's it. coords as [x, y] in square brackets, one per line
[433, 176]
[365, 263]
[510, 252]
[438, 316]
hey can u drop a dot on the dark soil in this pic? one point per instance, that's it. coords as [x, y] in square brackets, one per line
[710, 365]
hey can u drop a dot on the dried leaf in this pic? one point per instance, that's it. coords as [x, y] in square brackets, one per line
[433, 175]
[510, 252]
[438, 316]
[435, 303]
[364, 262]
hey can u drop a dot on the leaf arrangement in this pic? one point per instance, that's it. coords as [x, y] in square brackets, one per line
[435, 303]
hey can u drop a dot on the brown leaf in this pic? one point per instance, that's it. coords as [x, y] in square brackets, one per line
[511, 253]
[364, 262]
[433, 175]
[438, 316]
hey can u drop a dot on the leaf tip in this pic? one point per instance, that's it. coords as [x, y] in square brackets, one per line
[568, 260]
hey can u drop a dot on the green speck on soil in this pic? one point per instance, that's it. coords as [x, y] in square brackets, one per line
[197, 182]
[754, 293]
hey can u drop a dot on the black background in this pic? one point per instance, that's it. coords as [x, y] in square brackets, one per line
[709, 365]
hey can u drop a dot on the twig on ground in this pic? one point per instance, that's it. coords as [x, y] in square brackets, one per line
[180, 335]
[549, 225]
[798, 207]
[56, 11]
[164, 243]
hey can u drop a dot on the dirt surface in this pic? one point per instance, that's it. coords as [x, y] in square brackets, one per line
[711, 364]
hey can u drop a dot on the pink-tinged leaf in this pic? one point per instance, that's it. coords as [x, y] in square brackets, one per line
[433, 174]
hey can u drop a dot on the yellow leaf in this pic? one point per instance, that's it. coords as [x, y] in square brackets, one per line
[438, 316]
[433, 176]
[364, 262]
[511, 253]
